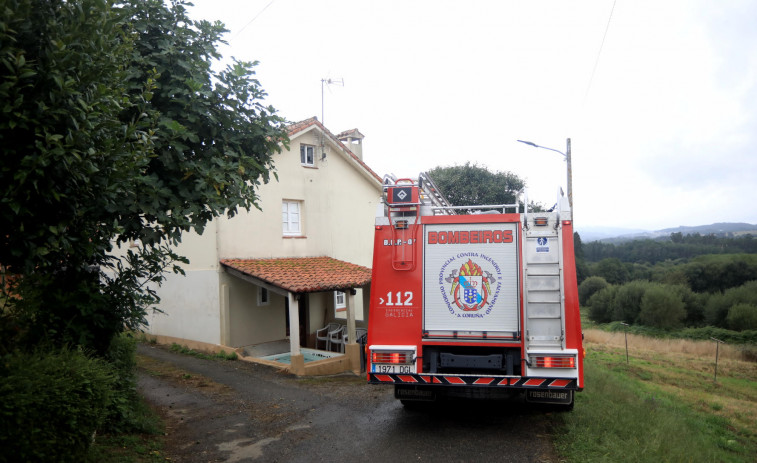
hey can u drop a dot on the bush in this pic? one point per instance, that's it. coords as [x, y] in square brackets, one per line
[123, 414]
[589, 287]
[729, 336]
[601, 303]
[716, 310]
[612, 270]
[51, 404]
[742, 317]
[694, 304]
[718, 305]
[627, 302]
[661, 308]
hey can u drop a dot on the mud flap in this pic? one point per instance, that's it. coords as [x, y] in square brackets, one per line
[413, 393]
[547, 396]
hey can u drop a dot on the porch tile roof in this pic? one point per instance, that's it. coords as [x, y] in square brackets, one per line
[304, 274]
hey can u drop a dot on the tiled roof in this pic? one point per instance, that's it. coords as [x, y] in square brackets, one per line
[304, 274]
[302, 125]
[298, 127]
[348, 133]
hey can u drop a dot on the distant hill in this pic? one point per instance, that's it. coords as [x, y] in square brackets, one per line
[619, 234]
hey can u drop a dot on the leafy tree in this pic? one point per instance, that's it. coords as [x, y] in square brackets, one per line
[589, 287]
[661, 308]
[627, 304]
[612, 270]
[115, 129]
[694, 304]
[601, 304]
[471, 184]
[718, 305]
[582, 268]
[677, 246]
[716, 310]
[720, 272]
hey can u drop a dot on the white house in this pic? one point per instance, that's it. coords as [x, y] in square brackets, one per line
[288, 269]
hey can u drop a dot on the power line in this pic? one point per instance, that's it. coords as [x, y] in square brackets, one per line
[253, 19]
[599, 53]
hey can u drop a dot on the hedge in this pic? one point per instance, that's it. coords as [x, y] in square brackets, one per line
[51, 404]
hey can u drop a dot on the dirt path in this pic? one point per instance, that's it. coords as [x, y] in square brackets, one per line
[235, 411]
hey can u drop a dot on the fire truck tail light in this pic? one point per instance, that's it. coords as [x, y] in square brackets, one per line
[553, 362]
[392, 357]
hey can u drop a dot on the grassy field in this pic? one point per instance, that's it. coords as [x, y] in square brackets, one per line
[663, 405]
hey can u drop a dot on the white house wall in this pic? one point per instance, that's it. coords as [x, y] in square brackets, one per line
[249, 322]
[337, 213]
[337, 216]
[190, 303]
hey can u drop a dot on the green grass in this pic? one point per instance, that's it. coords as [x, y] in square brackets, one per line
[187, 351]
[656, 410]
[143, 446]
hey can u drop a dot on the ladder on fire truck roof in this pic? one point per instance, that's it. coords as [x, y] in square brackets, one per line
[429, 193]
[430, 196]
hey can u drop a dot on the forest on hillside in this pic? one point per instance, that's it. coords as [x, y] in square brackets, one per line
[683, 281]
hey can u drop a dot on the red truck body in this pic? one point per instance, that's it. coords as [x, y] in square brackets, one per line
[482, 304]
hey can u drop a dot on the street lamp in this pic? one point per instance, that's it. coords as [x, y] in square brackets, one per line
[570, 167]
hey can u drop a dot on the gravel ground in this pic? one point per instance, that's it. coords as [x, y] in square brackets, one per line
[236, 411]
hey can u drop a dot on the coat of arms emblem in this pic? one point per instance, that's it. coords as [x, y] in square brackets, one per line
[470, 287]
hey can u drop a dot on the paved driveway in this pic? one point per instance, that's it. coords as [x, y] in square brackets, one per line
[236, 411]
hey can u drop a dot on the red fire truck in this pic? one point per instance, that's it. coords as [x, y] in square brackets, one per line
[473, 301]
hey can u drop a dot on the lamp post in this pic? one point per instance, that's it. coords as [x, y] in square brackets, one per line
[566, 156]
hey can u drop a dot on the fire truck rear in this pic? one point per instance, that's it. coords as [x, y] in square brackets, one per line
[473, 301]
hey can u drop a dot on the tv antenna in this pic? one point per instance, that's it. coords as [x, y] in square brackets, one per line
[325, 82]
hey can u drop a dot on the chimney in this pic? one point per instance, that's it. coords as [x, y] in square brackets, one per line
[353, 140]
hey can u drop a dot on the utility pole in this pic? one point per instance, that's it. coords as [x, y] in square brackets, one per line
[570, 179]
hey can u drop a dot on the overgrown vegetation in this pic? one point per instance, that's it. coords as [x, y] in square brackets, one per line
[639, 283]
[115, 131]
[51, 404]
[676, 246]
[661, 406]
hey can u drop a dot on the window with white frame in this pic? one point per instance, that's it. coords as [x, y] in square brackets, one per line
[264, 297]
[290, 218]
[340, 300]
[307, 155]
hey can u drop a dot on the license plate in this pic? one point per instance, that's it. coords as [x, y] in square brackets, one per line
[392, 369]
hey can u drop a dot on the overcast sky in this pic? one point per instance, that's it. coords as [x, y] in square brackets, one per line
[662, 121]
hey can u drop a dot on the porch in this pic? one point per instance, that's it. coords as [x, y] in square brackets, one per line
[298, 286]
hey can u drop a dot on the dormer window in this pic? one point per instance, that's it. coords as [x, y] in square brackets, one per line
[307, 155]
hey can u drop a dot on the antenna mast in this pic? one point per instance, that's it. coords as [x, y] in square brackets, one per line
[328, 81]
